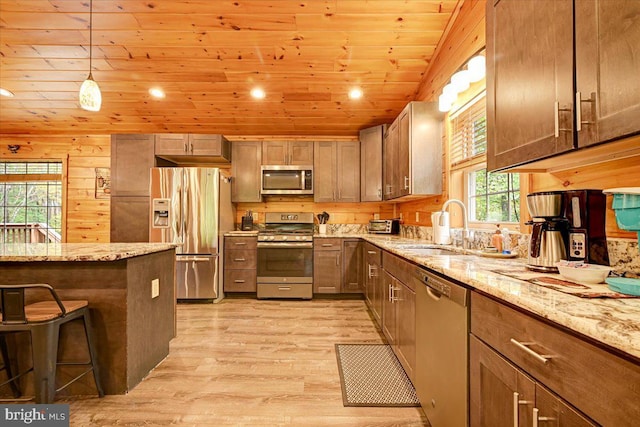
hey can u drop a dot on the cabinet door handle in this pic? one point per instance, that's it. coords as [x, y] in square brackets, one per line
[371, 252]
[379, 192]
[239, 259]
[185, 147]
[406, 182]
[537, 417]
[240, 243]
[238, 281]
[337, 259]
[556, 119]
[191, 148]
[578, 107]
[544, 358]
[516, 407]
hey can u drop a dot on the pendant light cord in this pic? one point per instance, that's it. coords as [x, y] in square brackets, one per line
[90, 38]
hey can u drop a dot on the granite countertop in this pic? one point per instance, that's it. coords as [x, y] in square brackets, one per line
[22, 252]
[613, 322]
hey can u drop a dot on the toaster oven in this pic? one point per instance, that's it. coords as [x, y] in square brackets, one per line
[384, 226]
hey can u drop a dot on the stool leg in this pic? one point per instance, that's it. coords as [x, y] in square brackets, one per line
[88, 329]
[7, 366]
[44, 343]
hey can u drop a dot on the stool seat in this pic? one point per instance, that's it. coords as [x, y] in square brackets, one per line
[42, 320]
[49, 310]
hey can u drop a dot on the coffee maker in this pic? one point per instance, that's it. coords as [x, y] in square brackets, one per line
[549, 235]
[585, 211]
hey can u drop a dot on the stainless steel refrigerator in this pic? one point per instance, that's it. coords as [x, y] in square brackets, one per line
[192, 208]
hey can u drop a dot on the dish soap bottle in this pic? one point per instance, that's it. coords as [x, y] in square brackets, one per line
[506, 241]
[496, 239]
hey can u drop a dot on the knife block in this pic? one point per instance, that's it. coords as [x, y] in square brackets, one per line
[247, 223]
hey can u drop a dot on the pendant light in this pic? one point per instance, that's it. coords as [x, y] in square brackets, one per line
[90, 96]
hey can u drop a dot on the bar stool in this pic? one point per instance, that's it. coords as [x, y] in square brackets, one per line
[6, 366]
[43, 320]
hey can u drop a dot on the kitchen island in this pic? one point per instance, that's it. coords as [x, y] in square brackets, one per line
[134, 318]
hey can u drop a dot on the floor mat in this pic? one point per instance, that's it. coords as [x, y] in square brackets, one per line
[371, 375]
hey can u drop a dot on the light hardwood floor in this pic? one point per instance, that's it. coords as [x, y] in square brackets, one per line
[245, 362]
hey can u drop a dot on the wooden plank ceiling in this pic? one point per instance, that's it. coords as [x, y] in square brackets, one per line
[207, 55]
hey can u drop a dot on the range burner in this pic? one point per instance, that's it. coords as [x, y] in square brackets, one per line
[281, 227]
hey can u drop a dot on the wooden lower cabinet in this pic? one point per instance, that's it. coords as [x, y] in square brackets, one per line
[337, 266]
[327, 266]
[240, 264]
[582, 378]
[373, 290]
[399, 321]
[503, 395]
[352, 266]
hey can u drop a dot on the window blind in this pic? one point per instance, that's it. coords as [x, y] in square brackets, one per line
[468, 130]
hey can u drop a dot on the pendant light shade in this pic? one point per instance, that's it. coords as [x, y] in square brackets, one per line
[90, 96]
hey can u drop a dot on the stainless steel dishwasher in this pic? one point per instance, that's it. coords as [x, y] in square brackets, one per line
[442, 348]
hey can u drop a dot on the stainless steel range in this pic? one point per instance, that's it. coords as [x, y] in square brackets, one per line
[285, 256]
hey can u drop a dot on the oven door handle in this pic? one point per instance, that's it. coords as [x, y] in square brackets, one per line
[284, 245]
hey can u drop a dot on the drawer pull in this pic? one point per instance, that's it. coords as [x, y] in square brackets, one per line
[284, 288]
[238, 281]
[240, 243]
[371, 252]
[239, 259]
[327, 245]
[544, 358]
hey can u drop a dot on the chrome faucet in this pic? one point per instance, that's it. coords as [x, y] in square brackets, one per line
[465, 222]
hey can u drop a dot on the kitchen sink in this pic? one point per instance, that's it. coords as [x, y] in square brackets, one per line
[428, 250]
[431, 251]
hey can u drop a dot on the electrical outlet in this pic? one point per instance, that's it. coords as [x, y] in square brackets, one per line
[376, 216]
[401, 216]
[155, 288]
[254, 215]
[417, 216]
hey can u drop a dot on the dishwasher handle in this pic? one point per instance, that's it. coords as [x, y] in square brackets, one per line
[438, 288]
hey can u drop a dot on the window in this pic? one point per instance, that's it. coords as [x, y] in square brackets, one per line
[30, 202]
[493, 197]
[490, 197]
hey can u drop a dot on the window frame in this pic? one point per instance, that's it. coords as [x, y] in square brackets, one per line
[467, 197]
[62, 177]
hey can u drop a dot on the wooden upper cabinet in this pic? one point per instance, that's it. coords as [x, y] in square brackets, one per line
[172, 144]
[287, 153]
[371, 163]
[529, 80]
[607, 69]
[532, 108]
[336, 171]
[176, 147]
[390, 159]
[131, 159]
[245, 171]
[413, 152]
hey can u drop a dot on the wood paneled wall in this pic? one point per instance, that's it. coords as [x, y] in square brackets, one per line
[86, 218]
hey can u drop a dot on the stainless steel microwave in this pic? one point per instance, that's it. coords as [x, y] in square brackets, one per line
[284, 179]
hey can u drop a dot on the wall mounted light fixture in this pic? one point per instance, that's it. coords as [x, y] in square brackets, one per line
[474, 71]
[90, 96]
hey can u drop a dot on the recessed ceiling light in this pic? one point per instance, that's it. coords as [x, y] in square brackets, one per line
[355, 93]
[156, 92]
[258, 93]
[6, 92]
